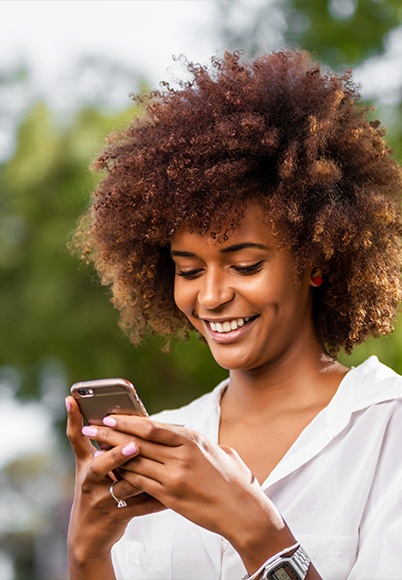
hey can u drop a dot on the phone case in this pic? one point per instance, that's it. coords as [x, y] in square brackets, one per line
[99, 398]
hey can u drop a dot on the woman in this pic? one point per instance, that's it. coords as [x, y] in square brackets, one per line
[258, 205]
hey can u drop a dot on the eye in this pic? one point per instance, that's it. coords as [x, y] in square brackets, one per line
[252, 269]
[189, 274]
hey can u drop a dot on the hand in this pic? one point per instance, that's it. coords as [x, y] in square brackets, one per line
[207, 483]
[96, 523]
[186, 472]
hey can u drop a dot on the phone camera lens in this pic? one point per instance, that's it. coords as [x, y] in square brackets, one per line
[86, 392]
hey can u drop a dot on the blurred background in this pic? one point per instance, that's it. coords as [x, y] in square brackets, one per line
[66, 71]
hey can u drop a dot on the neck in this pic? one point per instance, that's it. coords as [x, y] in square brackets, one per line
[297, 382]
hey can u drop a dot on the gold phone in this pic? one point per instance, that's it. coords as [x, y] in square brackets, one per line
[99, 398]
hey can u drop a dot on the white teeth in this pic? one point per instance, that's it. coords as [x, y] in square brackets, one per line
[228, 326]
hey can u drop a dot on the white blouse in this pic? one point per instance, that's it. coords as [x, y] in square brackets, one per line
[339, 488]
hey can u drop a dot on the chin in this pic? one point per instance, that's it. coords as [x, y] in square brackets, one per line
[233, 363]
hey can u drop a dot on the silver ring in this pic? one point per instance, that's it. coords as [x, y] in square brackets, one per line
[120, 502]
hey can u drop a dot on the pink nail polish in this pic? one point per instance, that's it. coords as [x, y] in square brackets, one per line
[130, 449]
[109, 422]
[97, 453]
[89, 431]
[68, 405]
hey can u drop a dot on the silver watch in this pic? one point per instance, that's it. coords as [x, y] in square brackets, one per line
[292, 567]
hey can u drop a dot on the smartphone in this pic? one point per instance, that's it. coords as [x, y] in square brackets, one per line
[99, 398]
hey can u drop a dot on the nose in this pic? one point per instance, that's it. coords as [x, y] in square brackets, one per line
[215, 290]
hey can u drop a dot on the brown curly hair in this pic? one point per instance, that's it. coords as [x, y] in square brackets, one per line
[280, 129]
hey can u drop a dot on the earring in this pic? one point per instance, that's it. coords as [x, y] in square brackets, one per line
[317, 280]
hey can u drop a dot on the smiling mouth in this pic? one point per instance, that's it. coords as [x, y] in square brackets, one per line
[229, 325]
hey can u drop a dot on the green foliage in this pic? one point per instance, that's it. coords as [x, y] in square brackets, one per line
[339, 32]
[53, 308]
[342, 32]
[388, 349]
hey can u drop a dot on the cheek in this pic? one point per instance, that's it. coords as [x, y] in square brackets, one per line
[297, 301]
[277, 293]
[266, 291]
[182, 296]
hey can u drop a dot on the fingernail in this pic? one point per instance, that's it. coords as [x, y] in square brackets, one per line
[90, 431]
[130, 449]
[109, 422]
[68, 405]
[97, 453]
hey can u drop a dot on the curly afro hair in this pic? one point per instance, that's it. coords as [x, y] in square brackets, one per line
[279, 129]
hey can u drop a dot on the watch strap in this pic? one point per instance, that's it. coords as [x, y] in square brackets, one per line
[299, 561]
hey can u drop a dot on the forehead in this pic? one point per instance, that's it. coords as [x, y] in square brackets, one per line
[255, 226]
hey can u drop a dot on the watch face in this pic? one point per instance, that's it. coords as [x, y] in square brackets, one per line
[284, 572]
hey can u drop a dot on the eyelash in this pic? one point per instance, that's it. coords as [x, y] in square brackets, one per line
[244, 270]
[189, 275]
[249, 269]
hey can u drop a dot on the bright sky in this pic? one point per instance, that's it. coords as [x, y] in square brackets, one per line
[143, 34]
[50, 35]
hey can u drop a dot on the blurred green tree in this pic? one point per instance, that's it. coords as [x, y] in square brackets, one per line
[338, 32]
[53, 311]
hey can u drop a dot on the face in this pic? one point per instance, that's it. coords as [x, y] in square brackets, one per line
[244, 295]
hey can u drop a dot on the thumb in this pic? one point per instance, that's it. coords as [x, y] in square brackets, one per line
[80, 444]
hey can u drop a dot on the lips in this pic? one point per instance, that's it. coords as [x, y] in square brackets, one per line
[233, 335]
[228, 325]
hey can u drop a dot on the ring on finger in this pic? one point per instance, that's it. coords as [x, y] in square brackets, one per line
[121, 503]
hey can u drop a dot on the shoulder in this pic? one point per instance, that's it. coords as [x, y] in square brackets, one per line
[367, 402]
[374, 383]
[377, 412]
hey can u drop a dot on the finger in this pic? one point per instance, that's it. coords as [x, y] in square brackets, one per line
[123, 489]
[145, 428]
[150, 486]
[80, 444]
[108, 438]
[145, 467]
[143, 504]
[106, 462]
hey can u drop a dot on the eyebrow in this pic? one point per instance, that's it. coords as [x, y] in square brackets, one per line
[228, 250]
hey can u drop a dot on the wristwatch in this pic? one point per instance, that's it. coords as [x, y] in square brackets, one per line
[292, 567]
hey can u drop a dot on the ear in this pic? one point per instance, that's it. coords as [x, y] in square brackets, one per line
[316, 278]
